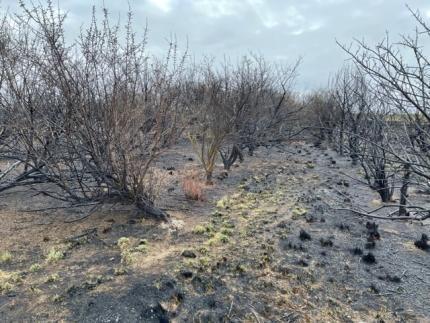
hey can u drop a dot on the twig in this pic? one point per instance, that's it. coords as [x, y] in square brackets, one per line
[90, 212]
[400, 218]
[73, 206]
[86, 233]
[231, 308]
[396, 206]
[11, 168]
[255, 314]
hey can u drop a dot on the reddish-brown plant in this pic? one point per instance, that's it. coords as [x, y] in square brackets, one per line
[193, 188]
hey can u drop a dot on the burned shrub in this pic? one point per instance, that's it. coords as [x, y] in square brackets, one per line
[322, 115]
[390, 278]
[357, 251]
[423, 243]
[401, 83]
[326, 242]
[370, 245]
[236, 107]
[303, 235]
[369, 258]
[372, 231]
[91, 120]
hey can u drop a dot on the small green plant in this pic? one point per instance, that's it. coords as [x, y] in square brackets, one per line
[141, 248]
[218, 214]
[5, 287]
[54, 255]
[8, 280]
[217, 239]
[199, 229]
[223, 203]
[57, 298]
[33, 289]
[203, 250]
[52, 278]
[310, 165]
[223, 238]
[127, 258]
[35, 267]
[124, 245]
[119, 271]
[204, 261]
[298, 212]
[226, 231]
[240, 269]
[5, 257]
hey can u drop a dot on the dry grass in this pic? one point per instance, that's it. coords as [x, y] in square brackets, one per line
[193, 188]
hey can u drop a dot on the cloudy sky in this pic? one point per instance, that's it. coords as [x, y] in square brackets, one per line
[279, 29]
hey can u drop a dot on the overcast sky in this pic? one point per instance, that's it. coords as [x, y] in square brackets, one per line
[278, 29]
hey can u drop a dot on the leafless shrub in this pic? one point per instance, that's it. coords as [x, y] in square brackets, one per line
[398, 73]
[322, 115]
[238, 106]
[91, 117]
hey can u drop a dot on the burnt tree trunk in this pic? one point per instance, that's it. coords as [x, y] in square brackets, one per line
[229, 159]
[382, 185]
[209, 178]
[404, 191]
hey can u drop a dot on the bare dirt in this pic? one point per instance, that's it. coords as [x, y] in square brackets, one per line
[267, 245]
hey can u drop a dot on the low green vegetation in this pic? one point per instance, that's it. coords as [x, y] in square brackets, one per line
[35, 267]
[5, 257]
[54, 255]
[8, 280]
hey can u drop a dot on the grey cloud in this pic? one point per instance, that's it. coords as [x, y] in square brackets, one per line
[278, 29]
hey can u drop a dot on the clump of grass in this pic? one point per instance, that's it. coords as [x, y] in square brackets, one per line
[124, 245]
[143, 248]
[240, 269]
[310, 165]
[54, 255]
[299, 212]
[127, 258]
[193, 189]
[228, 224]
[226, 231]
[5, 287]
[217, 239]
[217, 214]
[33, 289]
[199, 229]
[222, 203]
[119, 271]
[35, 267]
[204, 261]
[57, 298]
[8, 280]
[203, 250]
[5, 257]
[52, 278]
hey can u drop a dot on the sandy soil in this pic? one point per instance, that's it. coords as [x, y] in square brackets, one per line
[266, 245]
